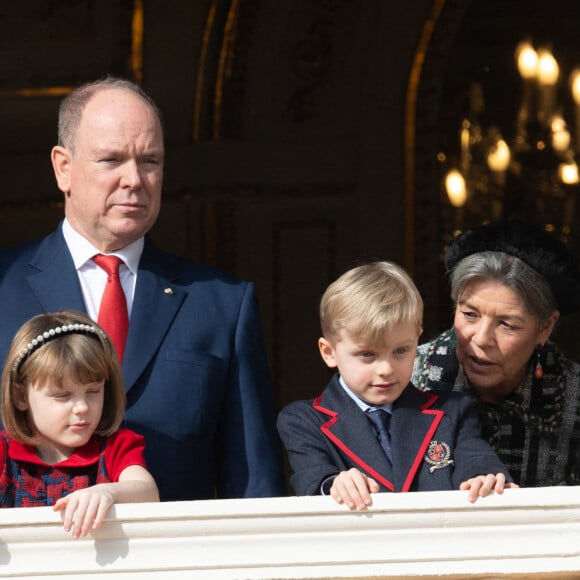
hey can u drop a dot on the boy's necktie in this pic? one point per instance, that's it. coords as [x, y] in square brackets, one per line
[381, 419]
[113, 314]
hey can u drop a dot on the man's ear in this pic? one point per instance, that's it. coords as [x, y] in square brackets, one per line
[61, 159]
[326, 352]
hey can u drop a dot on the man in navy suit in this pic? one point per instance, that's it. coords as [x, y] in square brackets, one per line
[197, 379]
[371, 319]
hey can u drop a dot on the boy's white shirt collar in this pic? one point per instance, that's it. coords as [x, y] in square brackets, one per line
[363, 405]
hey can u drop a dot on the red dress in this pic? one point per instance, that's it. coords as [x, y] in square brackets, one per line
[26, 480]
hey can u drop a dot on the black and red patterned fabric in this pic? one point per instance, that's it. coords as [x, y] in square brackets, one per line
[26, 480]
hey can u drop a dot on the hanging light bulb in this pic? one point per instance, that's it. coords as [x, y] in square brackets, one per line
[560, 135]
[498, 158]
[568, 173]
[548, 70]
[456, 188]
[575, 85]
[527, 60]
[527, 63]
[548, 73]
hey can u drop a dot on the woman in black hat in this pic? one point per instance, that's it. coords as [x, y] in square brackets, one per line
[510, 282]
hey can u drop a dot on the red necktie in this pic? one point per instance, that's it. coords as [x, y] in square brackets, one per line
[113, 314]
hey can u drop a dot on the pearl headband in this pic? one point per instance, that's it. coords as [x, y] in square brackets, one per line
[48, 335]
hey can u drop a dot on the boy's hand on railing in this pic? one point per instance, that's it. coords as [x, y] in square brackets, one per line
[353, 489]
[482, 485]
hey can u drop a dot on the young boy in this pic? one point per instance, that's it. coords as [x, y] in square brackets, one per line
[371, 319]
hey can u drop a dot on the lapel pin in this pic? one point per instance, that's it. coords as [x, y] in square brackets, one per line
[168, 291]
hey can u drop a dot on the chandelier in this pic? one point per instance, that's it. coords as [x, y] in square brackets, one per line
[532, 174]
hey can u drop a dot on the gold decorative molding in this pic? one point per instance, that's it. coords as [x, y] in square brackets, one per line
[225, 64]
[201, 69]
[135, 60]
[137, 27]
[410, 130]
[35, 92]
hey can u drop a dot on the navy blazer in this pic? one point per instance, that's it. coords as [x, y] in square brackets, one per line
[435, 440]
[197, 380]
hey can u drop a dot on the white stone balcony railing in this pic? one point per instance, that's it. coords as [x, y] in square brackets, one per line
[523, 534]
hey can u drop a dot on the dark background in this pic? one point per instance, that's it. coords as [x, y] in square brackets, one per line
[302, 135]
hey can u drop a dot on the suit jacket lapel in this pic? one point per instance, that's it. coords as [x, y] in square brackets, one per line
[54, 281]
[156, 302]
[351, 432]
[53, 277]
[413, 425]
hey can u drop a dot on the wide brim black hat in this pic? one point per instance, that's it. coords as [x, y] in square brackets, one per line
[537, 248]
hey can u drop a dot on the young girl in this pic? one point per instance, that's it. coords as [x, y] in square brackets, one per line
[63, 401]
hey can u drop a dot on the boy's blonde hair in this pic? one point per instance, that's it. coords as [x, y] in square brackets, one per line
[368, 300]
[83, 354]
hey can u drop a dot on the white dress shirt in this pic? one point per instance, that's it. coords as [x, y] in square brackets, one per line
[92, 278]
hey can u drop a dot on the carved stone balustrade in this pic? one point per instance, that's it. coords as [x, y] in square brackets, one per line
[523, 534]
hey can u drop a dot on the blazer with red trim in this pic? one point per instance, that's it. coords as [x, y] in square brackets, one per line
[435, 439]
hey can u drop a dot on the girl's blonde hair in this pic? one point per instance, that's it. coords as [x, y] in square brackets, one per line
[55, 347]
[368, 300]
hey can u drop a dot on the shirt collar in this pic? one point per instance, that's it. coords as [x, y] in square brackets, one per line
[82, 250]
[363, 405]
[82, 456]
